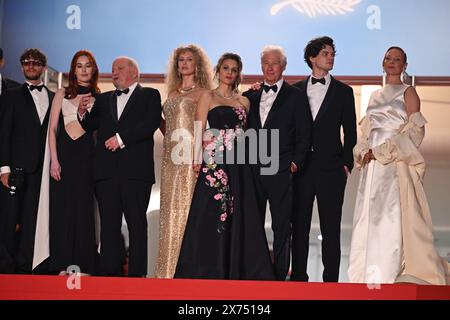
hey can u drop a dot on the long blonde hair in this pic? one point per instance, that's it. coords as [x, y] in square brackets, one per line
[203, 71]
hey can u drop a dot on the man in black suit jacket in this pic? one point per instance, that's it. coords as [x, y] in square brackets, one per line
[126, 120]
[328, 162]
[280, 109]
[5, 83]
[23, 133]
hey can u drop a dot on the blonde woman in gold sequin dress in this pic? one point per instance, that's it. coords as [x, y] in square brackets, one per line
[189, 75]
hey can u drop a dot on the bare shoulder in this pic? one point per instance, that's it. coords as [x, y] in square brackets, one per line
[202, 90]
[412, 100]
[411, 92]
[205, 98]
[245, 102]
[206, 95]
[172, 94]
[197, 94]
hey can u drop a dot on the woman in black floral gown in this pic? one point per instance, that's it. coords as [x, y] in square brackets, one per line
[224, 236]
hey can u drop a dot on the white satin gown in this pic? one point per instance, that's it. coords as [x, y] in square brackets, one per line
[376, 248]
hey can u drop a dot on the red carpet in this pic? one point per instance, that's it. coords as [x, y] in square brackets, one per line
[24, 287]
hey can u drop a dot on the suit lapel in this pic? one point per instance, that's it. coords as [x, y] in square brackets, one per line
[30, 103]
[50, 100]
[327, 100]
[256, 108]
[276, 104]
[130, 102]
[113, 106]
[4, 86]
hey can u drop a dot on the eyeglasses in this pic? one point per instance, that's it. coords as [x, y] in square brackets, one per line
[29, 63]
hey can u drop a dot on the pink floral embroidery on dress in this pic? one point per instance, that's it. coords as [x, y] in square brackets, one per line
[215, 176]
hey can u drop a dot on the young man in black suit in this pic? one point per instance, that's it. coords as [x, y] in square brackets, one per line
[278, 108]
[328, 162]
[126, 120]
[23, 132]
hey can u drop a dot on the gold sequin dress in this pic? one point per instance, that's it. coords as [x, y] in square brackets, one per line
[177, 181]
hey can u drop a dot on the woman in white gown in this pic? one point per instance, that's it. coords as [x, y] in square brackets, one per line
[392, 237]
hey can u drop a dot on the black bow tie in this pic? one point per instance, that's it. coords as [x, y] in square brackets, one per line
[38, 88]
[321, 80]
[267, 88]
[119, 92]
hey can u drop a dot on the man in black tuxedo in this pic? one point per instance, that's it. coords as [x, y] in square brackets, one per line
[126, 120]
[24, 122]
[328, 162]
[5, 83]
[280, 109]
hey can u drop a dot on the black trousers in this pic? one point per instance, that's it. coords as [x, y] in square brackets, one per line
[24, 205]
[277, 189]
[8, 235]
[128, 197]
[328, 187]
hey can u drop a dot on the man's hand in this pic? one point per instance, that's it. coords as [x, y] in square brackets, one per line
[112, 144]
[5, 179]
[256, 86]
[347, 171]
[294, 167]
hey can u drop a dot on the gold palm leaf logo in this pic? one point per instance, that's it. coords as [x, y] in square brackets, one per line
[317, 7]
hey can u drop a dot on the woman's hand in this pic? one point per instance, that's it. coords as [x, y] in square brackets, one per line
[368, 157]
[55, 170]
[91, 102]
[196, 167]
[86, 103]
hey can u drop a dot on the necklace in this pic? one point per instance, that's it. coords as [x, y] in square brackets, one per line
[222, 96]
[186, 90]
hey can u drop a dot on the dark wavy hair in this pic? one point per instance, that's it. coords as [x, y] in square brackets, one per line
[314, 46]
[36, 54]
[73, 87]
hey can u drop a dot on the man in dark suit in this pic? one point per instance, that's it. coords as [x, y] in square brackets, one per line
[5, 83]
[23, 133]
[279, 109]
[126, 120]
[328, 162]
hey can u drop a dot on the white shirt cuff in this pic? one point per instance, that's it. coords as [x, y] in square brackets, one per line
[120, 141]
[5, 169]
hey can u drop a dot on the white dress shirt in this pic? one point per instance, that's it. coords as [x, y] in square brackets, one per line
[123, 99]
[121, 103]
[41, 103]
[316, 93]
[267, 100]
